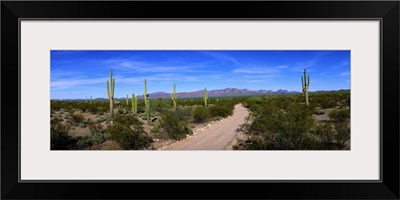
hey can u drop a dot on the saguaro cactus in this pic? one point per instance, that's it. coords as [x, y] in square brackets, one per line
[145, 95]
[127, 100]
[90, 98]
[173, 96]
[148, 111]
[134, 104]
[305, 85]
[110, 92]
[86, 99]
[205, 97]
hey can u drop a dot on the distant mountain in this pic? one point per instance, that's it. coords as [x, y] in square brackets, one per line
[219, 93]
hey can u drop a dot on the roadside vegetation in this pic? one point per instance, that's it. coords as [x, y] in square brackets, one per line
[286, 123]
[80, 125]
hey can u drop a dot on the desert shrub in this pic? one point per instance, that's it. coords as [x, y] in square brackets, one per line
[94, 139]
[183, 113]
[159, 105]
[92, 108]
[76, 119]
[55, 120]
[276, 128]
[120, 111]
[342, 134]
[129, 138]
[219, 111]
[319, 112]
[127, 120]
[95, 128]
[200, 114]
[173, 126]
[128, 132]
[339, 115]
[255, 99]
[325, 132]
[82, 125]
[60, 139]
[155, 129]
[326, 103]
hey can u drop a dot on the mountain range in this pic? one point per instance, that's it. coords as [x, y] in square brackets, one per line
[218, 93]
[227, 92]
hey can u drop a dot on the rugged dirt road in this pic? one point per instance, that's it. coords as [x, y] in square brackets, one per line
[214, 136]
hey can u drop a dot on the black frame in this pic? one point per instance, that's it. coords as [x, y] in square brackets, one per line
[386, 11]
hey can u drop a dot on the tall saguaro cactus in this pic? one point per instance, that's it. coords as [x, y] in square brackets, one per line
[205, 97]
[173, 96]
[134, 104]
[305, 85]
[148, 111]
[145, 95]
[127, 100]
[90, 98]
[110, 92]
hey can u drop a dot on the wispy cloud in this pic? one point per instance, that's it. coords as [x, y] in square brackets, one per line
[132, 66]
[344, 74]
[281, 67]
[222, 57]
[68, 83]
[343, 63]
[62, 73]
[299, 67]
[257, 70]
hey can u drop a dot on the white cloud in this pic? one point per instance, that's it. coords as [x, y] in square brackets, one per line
[281, 67]
[257, 70]
[344, 74]
[222, 57]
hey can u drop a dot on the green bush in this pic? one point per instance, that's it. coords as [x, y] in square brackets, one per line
[129, 138]
[325, 132]
[77, 119]
[326, 103]
[173, 126]
[60, 139]
[128, 132]
[319, 112]
[339, 115]
[219, 111]
[92, 108]
[200, 114]
[95, 128]
[342, 134]
[183, 113]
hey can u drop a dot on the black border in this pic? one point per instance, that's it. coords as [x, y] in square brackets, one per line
[386, 11]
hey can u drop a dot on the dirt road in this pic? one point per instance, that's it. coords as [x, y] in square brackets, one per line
[214, 136]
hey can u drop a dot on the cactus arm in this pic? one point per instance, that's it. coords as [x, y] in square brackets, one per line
[108, 90]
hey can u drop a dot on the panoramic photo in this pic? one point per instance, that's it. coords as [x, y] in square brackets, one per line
[200, 100]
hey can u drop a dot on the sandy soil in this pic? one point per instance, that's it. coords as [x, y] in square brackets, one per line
[214, 136]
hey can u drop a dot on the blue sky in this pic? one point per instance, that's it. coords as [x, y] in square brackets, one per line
[82, 73]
